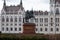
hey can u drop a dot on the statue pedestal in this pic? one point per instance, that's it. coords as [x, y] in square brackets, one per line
[28, 28]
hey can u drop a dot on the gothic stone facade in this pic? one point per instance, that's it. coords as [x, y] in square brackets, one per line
[46, 22]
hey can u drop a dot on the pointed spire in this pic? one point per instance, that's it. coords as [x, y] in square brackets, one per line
[4, 5]
[21, 2]
[21, 5]
[4, 2]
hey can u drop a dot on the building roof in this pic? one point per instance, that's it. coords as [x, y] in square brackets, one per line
[40, 12]
[13, 8]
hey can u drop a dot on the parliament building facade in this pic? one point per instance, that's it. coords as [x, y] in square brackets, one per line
[12, 19]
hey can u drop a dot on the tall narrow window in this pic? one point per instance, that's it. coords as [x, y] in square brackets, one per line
[2, 28]
[51, 19]
[36, 20]
[19, 19]
[56, 19]
[41, 19]
[51, 29]
[19, 29]
[11, 19]
[7, 19]
[15, 29]
[11, 29]
[45, 29]
[57, 29]
[51, 22]
[3, 19]
[15, 19]
[57, 11]
[46, 20]
[7, 29]
[41, 29]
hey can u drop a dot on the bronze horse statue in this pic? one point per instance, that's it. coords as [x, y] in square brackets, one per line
[29, 15]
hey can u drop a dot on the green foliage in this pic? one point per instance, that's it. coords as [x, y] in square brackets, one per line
[25, 38]
[14, 37]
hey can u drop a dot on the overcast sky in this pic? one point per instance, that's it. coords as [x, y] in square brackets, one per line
[29, 4]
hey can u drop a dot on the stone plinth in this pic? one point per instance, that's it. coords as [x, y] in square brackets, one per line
[29, 28]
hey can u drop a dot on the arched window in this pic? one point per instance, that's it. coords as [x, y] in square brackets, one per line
[11, 19]
[51, 19]
[15, 29]
[57, 29]
[45, 29]
[7, 19]
[19, 29]
[41, 29]
[3, 19]
[2, 28]
[57, 11]
[15, 19]
[7, 29]
[36, 19]
[11, 29]
[51, 29]
[19, 19]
